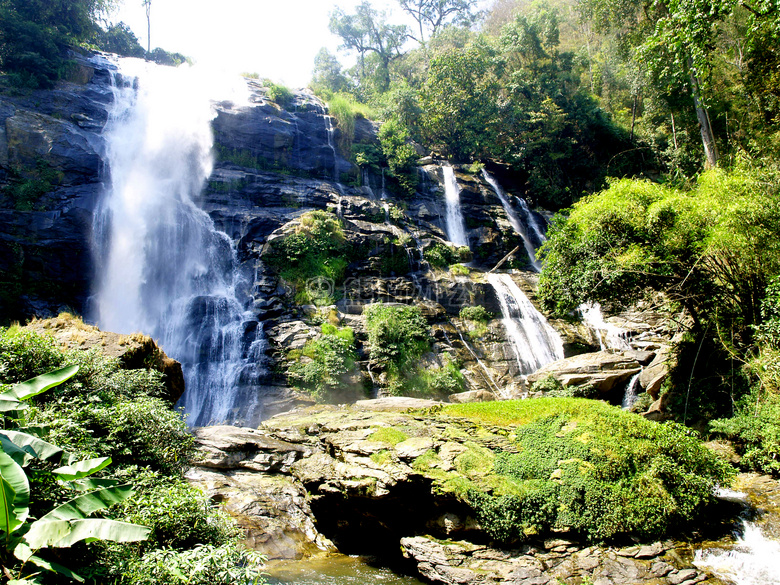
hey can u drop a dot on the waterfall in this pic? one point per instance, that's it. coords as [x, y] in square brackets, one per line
[514, 219]
[609, 336]
[754, 558]
[163, 268]
[332, 145]
[630, 396]
[534, 342]
[456, 227]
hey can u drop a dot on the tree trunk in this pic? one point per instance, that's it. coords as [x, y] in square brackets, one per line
[707, 136]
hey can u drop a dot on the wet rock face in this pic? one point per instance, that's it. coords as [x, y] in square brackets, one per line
[50, 149]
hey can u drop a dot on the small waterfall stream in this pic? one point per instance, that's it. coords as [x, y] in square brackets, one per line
[533, 339]
[456, 227]
[516, 222]
[609, 336]
[163, 268]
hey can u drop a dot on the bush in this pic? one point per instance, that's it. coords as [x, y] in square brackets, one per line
[440, 255]
[591, 468]
[331, 358]
[476, 313]
[397, 336]
[313, 257]
[278, 93]
[755, 431]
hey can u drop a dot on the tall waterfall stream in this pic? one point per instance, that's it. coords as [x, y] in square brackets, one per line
[164, 268]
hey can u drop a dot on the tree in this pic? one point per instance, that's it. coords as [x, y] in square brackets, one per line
[459, 101]
[433, 14]
[367, 32]
[34, 35]
[711, 250]
[148, 5]
[675, 38]
[327, 74]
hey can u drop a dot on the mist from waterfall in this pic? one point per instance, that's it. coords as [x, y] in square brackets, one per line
[534, 341]
[163, 268]
[517, 223]
[456, 227]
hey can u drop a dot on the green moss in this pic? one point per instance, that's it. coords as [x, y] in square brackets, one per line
[388, 435]
[426, 461]
[585, 466]
[382, 457]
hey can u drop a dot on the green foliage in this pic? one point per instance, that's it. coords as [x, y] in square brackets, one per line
[163, 57]
[313, 257]
[325, 363]
[711, 249]
[27, 186]
[440, 255]
[35, 34]
[476, 313]
[203, 565]
[60, 526]
[588, 467]
[400, 154]
[397, 336]
[104, 410]
[119, 39]
[755, 432]
[278, 93]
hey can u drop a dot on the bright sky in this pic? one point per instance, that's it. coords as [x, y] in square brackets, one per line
[277, 39]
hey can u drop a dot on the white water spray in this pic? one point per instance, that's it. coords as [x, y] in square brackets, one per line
[456, 227]
[754, 558]
[514, 219]
[609, 336]
[163, 268]
[534, 341]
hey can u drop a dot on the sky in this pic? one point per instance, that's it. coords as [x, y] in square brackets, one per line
[277, 39]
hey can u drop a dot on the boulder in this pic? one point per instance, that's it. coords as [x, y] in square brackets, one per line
[603, 370]
[473, 396]
[134, 351]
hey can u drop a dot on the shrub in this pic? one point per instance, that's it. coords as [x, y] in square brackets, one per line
[278, 93]
[313, 257]
[397, 336]
[476, 313]
[591, 468]
[331, 358]
[440, 255]
[226, 564]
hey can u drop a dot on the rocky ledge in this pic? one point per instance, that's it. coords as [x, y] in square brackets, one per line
[366, 478]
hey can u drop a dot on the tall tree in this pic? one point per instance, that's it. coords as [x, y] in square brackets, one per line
[148, 5]
[367, 32]
[431, 15]
[675, 39]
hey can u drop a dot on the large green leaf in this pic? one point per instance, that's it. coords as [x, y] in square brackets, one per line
[11, 404]
[89, 483]
[39, 384]
[31, 445]
[81, 468]
[25, 554]
[82, 506]
[65, 533]
[16, 494]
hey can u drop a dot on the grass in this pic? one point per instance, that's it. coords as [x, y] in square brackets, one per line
[389, 435]
[521, 412]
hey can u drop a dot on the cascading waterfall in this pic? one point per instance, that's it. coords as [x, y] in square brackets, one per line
[630, 395]
[514, 219]
[609, 336]
[534, 341]
[164, 269]
[456, 227]
[754, 558]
